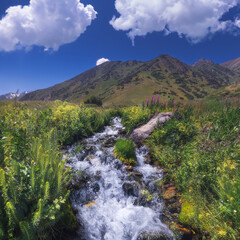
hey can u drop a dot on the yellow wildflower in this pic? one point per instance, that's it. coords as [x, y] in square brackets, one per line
[222, 232]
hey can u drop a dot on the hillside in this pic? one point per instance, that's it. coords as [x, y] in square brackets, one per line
[131, 82]
[233, 65]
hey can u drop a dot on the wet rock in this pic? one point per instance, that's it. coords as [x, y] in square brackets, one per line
[135, 176]
[90, 148]
[170, 193]
[81, 156]
[109, 142]
[78, 181]
[154, 236]
[131, 189]
[95, 187]
[174, 208]
[141, 201]
[92, 159]
[144, 131]
[148, 159]
[117, 164]
[129, 168]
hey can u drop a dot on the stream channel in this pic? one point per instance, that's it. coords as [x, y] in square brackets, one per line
[113, 203]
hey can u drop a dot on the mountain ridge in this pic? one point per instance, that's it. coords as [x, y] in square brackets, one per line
[131, 82]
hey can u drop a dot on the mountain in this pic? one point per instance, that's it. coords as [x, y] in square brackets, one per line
[217, 71]
[233, 65]
[12, 96]
[131, 82]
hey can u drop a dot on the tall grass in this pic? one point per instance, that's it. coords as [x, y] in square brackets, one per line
[200, 149]
[34, 201]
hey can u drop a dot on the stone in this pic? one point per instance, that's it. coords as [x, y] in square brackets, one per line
[130, 189]
[145, 131]
[129, 168]
[170, 193]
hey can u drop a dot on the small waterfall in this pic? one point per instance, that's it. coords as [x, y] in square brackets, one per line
[113, 203]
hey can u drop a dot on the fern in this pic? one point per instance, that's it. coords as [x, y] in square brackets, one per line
[38, 213]
[32, 175]
[46, 194]
[3, 184]
[25, 228]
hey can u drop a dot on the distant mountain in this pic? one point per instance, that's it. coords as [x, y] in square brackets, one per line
[131, 82]
[215, 70]
[233, 65]
[12, 96]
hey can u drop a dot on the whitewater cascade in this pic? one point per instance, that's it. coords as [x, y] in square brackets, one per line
[112, 202]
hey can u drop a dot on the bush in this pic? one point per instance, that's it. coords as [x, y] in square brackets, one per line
[94, 100]
[132, 117]
[125, 151]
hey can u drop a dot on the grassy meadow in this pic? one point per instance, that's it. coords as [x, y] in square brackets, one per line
[199, 148]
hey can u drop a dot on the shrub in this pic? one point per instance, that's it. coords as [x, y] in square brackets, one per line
[134, 116]
[94, 100]
[125, 151]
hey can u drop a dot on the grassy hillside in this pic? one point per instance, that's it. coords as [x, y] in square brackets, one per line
[233, 65]
[128, 83]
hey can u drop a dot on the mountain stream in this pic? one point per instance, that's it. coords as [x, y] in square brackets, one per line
[113, 203]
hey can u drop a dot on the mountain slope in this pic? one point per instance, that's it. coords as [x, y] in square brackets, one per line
[233, 65]
[131, 82]
[217, 71]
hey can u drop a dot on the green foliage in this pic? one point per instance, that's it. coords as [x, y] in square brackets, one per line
[33, 193]
[33, 179]
[94, 100]
[134, 116]
[200, 149]
[125, 151]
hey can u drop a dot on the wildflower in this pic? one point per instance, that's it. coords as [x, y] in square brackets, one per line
[232, 167]
[234, 211]
[222, 232]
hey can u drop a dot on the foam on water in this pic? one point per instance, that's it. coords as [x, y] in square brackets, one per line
[103, 207]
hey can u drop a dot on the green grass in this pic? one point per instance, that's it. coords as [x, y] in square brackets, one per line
[199, 148]
[125, 151]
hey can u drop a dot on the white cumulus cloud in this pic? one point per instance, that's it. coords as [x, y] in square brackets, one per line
[194, 19]
[47, 23]
[101, 61]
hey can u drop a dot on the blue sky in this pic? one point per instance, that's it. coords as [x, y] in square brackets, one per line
[189, 33]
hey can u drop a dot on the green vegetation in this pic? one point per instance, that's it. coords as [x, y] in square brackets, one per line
[125, 151]
[199, 147]
[34, 201]
[94, 100]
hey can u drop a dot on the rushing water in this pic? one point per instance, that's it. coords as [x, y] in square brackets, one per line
[113, 203]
